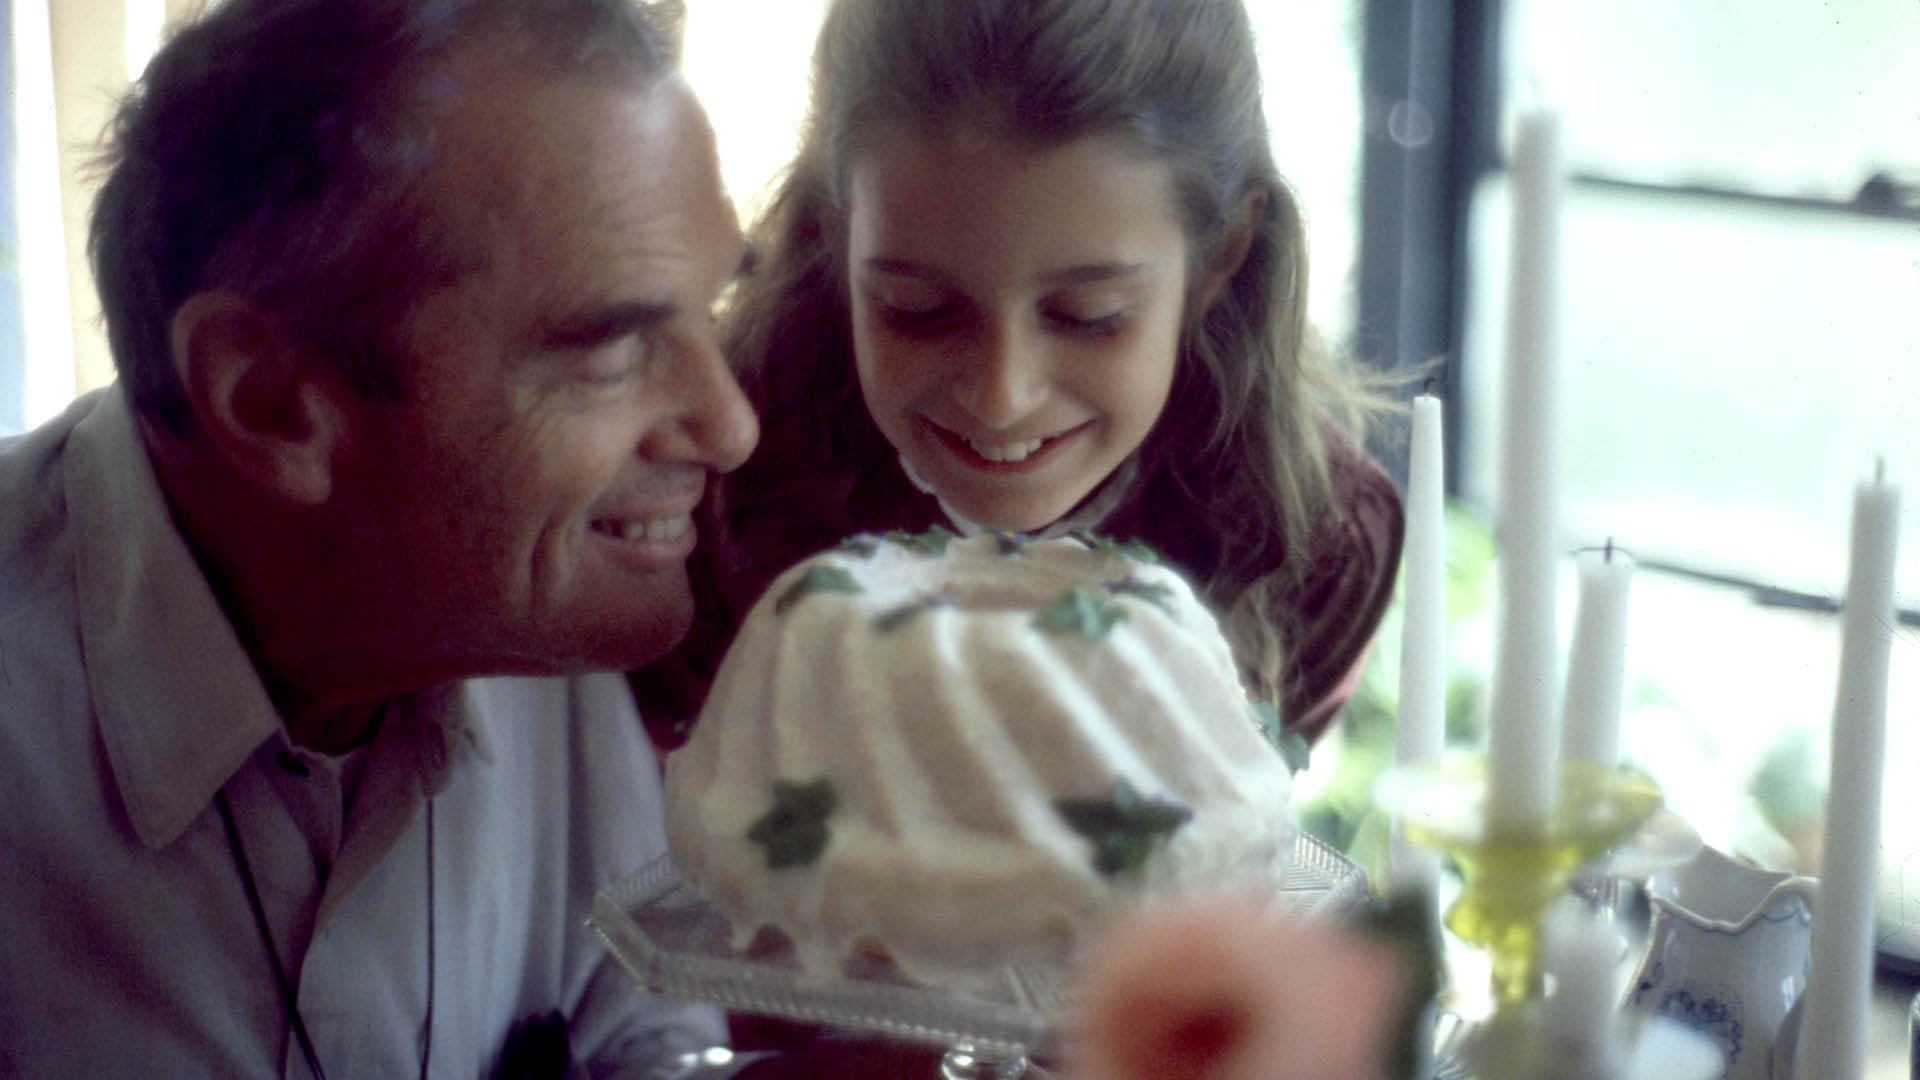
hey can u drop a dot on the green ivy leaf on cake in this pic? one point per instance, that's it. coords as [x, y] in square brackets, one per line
[905, 613]
[1267, 718]
[932, 542]
[1123, 828]
[794, 832]
[1157, 595]
[1293, 746]
[1082, 611]
[1137, 550]
[1295, 750]
[819, 578]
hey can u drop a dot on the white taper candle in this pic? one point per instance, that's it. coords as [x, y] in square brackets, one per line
[1523, 742]
[1421, 728]
[1579, 950]
[1597, 662]
[1833, 1031]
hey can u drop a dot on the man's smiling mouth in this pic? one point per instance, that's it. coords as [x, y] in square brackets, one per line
[666, 528]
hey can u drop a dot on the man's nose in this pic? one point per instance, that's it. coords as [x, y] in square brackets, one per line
[713, 424]
[1004, 378]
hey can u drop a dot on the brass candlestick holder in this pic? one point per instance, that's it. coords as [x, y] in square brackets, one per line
[1508, 878]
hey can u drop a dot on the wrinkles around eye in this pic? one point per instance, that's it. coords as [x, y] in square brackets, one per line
[606, 366]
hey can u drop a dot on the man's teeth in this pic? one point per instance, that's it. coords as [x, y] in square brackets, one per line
[659, 529]
[1014, 451]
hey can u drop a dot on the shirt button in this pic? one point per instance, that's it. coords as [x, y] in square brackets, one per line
[291, 762]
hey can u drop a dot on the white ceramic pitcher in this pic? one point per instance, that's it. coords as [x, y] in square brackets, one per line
[1727, 955]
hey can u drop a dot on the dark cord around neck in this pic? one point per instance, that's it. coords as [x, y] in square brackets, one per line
[289, 998]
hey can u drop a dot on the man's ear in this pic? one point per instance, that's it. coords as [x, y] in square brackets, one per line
[261, 398]
[1235, 241]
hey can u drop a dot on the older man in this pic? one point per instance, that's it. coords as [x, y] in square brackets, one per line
[304, 771]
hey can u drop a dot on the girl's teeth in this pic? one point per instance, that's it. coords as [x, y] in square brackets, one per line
[1017, 451]
[661, 529]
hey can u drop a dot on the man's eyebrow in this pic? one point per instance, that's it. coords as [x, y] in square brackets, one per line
[589, 329]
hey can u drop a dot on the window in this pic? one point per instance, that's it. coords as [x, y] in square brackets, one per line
[1740, 347]
[1742, 257]
[1742, 267]
[66, 64]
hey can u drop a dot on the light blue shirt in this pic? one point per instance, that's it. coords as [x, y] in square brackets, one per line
[127, 945]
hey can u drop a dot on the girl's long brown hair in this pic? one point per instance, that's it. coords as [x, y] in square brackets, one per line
[1241, 439]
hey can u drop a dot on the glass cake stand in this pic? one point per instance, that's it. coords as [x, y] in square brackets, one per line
[676, 945]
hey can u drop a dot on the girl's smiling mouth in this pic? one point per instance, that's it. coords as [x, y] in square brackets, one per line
[1005, 456]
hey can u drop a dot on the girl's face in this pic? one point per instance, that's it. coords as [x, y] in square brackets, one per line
[1016, 313]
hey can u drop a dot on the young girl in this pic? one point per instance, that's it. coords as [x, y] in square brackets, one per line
[1034, 269]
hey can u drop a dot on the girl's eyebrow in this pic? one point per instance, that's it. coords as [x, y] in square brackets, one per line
[1093, 273]
[886, 264]
[1081, 274]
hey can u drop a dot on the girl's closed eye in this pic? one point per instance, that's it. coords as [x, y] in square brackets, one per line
[1086, 316]
[913, 306]
[915, 316]
[1086, 324]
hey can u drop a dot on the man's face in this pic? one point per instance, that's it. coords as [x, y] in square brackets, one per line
[566, 400]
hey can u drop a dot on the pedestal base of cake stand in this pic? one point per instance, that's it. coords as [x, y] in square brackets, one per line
[676, 945]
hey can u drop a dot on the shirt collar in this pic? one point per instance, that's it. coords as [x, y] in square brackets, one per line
[179, 704]
[1091, 513]
[178, 700]
[436, 731]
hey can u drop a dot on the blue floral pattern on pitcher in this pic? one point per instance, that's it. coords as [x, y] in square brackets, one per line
[1727, 955]
[1712, 1010]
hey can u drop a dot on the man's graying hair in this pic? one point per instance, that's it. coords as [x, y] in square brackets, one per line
[276, 148]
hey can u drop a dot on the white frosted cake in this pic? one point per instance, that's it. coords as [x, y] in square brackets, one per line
[960, 753]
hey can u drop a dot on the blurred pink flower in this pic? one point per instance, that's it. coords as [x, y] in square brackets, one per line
[1219, 987]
